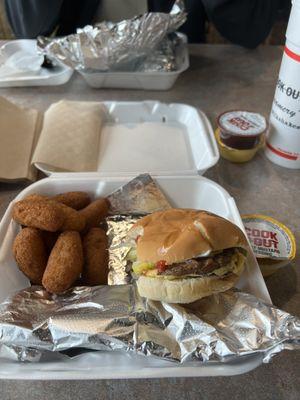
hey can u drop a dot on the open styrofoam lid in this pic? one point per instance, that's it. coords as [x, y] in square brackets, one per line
[153, 137]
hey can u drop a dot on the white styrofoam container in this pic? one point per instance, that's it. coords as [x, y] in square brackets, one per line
[44, 77]
[182, 191]
[141, 80]
[187, 148]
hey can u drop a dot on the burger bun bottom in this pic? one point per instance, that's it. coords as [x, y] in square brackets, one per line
[183, 291]
[188, 290]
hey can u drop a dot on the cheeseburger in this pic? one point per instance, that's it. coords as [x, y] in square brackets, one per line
[182, 255]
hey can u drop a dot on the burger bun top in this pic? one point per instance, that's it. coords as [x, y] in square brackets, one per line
[178, 234]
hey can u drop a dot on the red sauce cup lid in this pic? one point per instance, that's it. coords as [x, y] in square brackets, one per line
[243, 124]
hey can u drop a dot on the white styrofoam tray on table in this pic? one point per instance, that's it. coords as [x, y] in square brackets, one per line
[156, 80]
[186, 147]
[182, 191]
[58, 75]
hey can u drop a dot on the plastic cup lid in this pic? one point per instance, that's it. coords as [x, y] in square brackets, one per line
[269, 238]
[242, 123]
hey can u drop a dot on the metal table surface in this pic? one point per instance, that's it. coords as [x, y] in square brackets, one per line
[220, 77]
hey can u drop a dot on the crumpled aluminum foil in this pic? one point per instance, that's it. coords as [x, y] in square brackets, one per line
[218, 328]
[118, 227]
[138, 197]
[37, 326]
[138, 44]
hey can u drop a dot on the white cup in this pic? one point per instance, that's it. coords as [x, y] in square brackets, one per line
[283, 141]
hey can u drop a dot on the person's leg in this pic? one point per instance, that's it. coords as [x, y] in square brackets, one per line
[160, 5]
[76, 14]
[30, 18]
[194, 27]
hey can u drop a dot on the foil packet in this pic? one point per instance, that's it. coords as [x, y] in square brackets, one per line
[139, 196]
[144, 43]
[38, 326]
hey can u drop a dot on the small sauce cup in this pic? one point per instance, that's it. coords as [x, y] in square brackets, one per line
[240, 134]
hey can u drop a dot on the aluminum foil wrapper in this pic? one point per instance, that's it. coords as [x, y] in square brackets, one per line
[218, 328]
[138, 44]
[138, 197]
[118, 227]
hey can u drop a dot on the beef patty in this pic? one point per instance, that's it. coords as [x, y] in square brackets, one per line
[200, 265]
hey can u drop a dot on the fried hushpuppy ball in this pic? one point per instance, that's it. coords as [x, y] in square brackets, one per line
[95, 255]
[30, 254]
[64, 264]
[74, 221]
[76, 200]
[35, 196]
[41, 214]
[95, 212]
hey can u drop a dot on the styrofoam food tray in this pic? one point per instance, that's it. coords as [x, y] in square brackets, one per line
[191, 191]
[186, 147]
[59, 75]
[141, 80]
